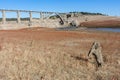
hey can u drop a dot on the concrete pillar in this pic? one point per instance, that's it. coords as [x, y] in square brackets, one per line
[3, 17]
[41, 15]
[30, 13]
[64, 16]
[18, 16]
[72, 14]
[45, 14]
[48, 15]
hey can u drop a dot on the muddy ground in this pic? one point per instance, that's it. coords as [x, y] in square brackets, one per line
[47, 54]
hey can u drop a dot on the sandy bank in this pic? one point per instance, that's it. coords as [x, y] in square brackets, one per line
[101, 22]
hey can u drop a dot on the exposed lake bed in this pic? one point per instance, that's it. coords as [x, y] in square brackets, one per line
[73, 28]
[52, 53]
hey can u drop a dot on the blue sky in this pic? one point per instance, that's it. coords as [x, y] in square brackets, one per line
[110, 7]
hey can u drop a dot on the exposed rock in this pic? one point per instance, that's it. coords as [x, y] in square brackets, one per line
[73, 23]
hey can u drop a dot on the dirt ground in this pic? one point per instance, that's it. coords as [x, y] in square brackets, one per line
[47, 54]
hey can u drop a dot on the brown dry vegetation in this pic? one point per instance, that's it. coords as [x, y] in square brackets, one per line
[111, 23]
[46, 54]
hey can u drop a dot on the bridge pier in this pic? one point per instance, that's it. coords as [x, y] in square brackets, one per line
[72, 14]
[18, 17]
[45, 15]
[30, 13]
[3, 17]
[41, 15]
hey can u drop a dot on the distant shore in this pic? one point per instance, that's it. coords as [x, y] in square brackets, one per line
[101, 22]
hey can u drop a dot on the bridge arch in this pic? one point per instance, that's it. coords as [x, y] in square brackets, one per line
[43, 15]
[61, 20]
[57, 15]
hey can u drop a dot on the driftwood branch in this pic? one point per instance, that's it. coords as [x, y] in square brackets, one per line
[96, 52]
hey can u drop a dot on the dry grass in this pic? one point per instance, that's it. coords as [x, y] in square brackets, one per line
[57, 59]
[112, 23]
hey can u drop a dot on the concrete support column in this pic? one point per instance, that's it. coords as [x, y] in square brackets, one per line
[47, 15]
[64, 16]
[41, 15]
[30, 13]
[44, 14]
[72, 14]
[18, 16]
[3, 17]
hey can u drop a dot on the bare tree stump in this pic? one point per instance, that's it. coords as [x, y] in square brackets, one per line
[96, 52]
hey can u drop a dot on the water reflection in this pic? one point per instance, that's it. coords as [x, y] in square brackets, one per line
[106, 29]
[74, 28]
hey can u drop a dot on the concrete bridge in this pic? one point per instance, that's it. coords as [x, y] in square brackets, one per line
[44, 19]
[43, 15]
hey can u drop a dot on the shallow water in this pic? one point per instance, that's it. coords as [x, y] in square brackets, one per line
[98, 29]
[106, 29]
